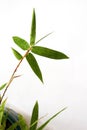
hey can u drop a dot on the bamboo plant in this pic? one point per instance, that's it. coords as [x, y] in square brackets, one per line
[30, 49]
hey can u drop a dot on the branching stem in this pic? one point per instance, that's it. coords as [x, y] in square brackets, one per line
[12, 76]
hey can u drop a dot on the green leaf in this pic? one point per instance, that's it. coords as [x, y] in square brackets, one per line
[49, 53]
[43, 37]
[21, 43]
[45, 124]
[4, 120]
[33, 29]
[22, 123]
[2, 86]
[34, 117]
[34, 65]
[2, 106]
[17, 54]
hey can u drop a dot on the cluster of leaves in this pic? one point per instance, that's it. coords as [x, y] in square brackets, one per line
[21, 123]
[32, 49]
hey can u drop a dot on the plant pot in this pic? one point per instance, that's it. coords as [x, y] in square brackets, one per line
[12, 117]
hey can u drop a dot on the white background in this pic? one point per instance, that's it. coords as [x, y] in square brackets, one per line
[65, 81]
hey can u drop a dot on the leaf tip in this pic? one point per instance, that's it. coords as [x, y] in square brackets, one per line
[36, 102]
[13, 37]
[66, 57]
[42, 80]
[33, 9]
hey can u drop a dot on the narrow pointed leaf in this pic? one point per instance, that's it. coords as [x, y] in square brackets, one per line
[17, 54]
[43, 37]
[34, 117]
[49, 53]
[2, 86]
[2, 106]
[34, 65]
[45, 124]
[21, 43]
[33, 29]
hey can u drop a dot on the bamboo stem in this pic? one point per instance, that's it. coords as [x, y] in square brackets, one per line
[12, 76]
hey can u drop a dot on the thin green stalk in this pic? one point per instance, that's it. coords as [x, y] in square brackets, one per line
[12, 76]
